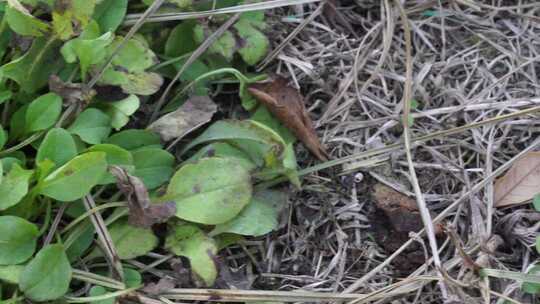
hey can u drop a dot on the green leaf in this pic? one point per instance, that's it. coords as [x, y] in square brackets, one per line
[180, 41]
[224, 150]
[83, 241]
[529, 287]
[263, 116]
[153, 165]
[131, 241]
[115, 156]
[75, 179]
[538, 244]
[254, 44]
[191, 242]
[14, 186]
[134, 57]
[134, 138]
[88, 50]
[92, 126]
[224, 45]
[22, 22]
[211, 191]
[132, 278]
[43, 112]
[119, 111]
[264, 146]
[17, 122]
[57, 146]
[3, 137]
[17, 240]
[258, 218]
[99, 291]
[110, 14]
[32, 70]
[142, 83]
[11, 273]
[61, 23]
[48, 275]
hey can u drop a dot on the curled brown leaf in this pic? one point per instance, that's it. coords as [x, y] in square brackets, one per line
[520, 183]
[141, 212]
[71, 93]
[287, 105]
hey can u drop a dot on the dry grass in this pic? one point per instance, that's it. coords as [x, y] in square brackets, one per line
[473, 67]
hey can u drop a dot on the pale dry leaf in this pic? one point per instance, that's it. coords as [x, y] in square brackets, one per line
[520, 183]
[70, 92]
[141, 212]
[287, 105]
[195, 112]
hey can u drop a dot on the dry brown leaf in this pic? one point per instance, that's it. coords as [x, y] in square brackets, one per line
[287, 105]
[141, 212]
[195, 112]
[520, 183]
[70, 92]
[400, 209]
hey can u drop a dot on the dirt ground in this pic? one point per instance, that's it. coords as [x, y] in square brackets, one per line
[472, 63]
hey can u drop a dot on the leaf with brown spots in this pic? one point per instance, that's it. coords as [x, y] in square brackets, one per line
[520, 183]
[287, 104]
[141, 212]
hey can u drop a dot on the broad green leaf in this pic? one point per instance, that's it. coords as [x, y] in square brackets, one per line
[224, 150]
[17, 122]
[259, 217]
[17, 240]
[538, 244]
[88, 50]
[32, 70]
[43, 112]
[224, 45]
[48, 275]
[131, 241]
[134, 57]
[132, 278]
[115, 156]
[211, 191]
[22, 22]
[132, 139]
[7, 163]
[109, 14]
[180, 41]
[153, 165]
[119, 111]
[57, 146]
[11, 273]
[191, 242]
[264, 146]
[14, 186]
[253, 44]
[99, 291]
[92, 126]
[75, 179]
[83, 241]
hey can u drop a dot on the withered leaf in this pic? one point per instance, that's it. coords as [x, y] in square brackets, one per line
[287, 105]
[400, 209]
[71, 93]
[520, 183]
[163, 285]
[195, 112]
[141, 212]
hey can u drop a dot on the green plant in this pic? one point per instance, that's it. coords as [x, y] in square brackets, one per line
[63, 143]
